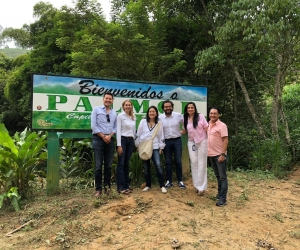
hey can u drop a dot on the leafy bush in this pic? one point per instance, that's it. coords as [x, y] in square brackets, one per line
[291, 101]
[14, 197]
[136, 169]
[19, 157]
[247, 151]
[76, 158]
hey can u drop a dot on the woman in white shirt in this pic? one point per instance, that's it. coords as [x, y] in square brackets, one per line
[145, 130]
[126, 122]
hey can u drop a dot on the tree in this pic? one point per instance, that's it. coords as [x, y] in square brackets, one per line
[133, 46]
[267, 32]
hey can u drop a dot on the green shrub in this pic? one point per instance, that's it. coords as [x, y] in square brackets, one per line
[136, 169]
[19, 157]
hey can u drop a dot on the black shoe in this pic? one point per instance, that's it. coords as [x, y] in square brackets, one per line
[217, 197]
[221, 203]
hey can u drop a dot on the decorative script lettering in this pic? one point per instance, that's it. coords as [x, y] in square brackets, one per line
[89, 87]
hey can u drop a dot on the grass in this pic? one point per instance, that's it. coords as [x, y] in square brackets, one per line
[297, 182]
[244, 196]
[295, 234]
[278, 217]
[193, 224]
[252, 175]
[190, 203]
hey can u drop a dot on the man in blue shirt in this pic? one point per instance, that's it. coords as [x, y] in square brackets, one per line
[104, 126]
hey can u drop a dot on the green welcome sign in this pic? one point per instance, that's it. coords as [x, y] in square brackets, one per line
[66, 103]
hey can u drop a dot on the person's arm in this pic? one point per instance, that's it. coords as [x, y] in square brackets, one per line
[94, 126]
[203, 123]
[134, 128]
[225, 145]
[182, 131]
[107, 138]
[115, 126]
[138, 133]
[119, 129]
[161, 139]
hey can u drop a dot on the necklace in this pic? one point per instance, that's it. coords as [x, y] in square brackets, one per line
[151, 125]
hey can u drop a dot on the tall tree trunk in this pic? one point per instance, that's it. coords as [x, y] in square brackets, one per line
[285, 125]
[287, 131]
[235, 109]
[248, 101]
[283, 117]
[276, 98]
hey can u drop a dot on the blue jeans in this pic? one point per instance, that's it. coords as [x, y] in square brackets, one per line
[158, 167]
[220, 173]
[102, 153]
[123, 163]
[173, 147]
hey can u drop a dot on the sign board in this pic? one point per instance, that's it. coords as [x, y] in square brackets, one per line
[66, 103]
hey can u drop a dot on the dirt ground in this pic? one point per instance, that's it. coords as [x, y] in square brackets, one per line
[260, 214]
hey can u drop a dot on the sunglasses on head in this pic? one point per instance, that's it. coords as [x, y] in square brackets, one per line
[107, 117]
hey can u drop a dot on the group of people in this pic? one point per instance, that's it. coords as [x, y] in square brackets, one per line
[205, 141]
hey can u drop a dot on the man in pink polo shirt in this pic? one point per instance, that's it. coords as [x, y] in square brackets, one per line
[217, 152]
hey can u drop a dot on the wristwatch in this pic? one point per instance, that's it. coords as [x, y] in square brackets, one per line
[224, 154]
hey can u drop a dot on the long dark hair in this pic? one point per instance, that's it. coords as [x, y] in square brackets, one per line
[156, 117]
[186, 116]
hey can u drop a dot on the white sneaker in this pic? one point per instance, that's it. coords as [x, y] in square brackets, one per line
[164, 190]
[146, 189]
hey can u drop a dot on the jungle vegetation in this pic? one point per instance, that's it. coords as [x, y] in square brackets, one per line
[245, 51]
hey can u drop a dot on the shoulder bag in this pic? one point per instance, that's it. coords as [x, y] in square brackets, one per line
[146, 147]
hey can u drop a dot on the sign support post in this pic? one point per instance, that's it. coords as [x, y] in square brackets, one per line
[53, 161]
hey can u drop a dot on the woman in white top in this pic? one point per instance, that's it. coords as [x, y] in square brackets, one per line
[144, 133]
[126, 127]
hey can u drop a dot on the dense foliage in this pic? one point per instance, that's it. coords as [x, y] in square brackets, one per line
[19, 158]
[245, 51]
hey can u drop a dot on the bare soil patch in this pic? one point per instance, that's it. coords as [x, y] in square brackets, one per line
[260, 214]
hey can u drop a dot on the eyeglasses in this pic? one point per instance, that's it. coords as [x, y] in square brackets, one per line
[107, 117]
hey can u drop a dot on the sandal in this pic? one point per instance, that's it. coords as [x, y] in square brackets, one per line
[200, 193]
[124, 192]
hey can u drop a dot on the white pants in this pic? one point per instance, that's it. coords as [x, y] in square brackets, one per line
[198, 159]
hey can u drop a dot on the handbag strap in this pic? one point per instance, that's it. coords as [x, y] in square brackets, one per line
[155, 130]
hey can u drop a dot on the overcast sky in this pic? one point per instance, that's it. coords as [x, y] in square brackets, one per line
[15, 13]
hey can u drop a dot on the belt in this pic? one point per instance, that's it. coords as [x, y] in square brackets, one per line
[173, 139]
[128, 137]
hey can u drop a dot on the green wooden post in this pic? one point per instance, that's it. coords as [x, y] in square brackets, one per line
[53, 162]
